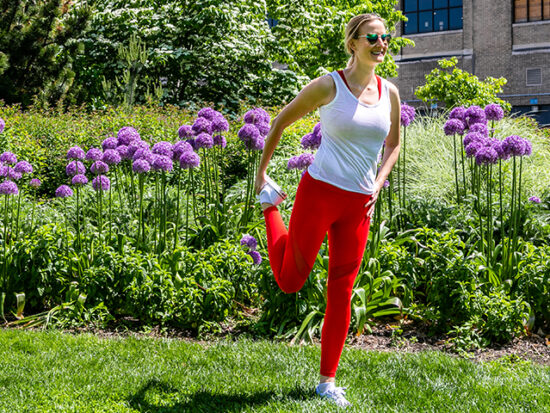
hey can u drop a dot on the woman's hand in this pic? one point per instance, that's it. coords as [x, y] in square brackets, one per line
[259, 183]
[372, 201]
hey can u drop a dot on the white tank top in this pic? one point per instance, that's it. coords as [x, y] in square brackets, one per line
[352, 137]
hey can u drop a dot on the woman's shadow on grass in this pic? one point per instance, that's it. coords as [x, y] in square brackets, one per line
[205, 400]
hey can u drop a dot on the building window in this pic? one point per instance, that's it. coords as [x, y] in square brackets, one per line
[534, 76]
[531, 10]
[427, 16]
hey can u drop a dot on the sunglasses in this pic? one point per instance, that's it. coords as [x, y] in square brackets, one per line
[373, 37]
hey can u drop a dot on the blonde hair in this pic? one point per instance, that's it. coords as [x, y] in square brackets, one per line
[353, 27]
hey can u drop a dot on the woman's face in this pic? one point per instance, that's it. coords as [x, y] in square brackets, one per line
[364, 49]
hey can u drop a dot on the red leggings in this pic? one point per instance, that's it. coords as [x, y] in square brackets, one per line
[320, 208]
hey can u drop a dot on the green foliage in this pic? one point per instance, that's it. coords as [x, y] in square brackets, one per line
[456, 87]
[311, 33]
[205, 51]
[37, 49]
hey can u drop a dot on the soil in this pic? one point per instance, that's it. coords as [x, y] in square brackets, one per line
[533, 347]
[406, 337]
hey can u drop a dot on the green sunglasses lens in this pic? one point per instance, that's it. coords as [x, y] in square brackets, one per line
[373, 38]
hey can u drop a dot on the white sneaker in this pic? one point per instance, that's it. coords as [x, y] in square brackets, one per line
[271, 193]
[335, 394]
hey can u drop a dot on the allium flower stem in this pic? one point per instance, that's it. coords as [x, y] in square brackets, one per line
[463, 170]
[404, 174]
[390, 196]
[456, 170]
[489, 215]
[162, 235]
[500, 199]
[141, 226]
[16, 232]
[156, 214]
[176, 229]
[79, 239]
[5, 263]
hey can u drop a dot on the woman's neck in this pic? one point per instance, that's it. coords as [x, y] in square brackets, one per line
[360, 76]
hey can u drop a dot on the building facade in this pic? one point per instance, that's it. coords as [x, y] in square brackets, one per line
[509, 38]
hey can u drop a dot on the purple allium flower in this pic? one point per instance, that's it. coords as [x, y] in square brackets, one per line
[494, 112]
[123, 152]
[101, 182]
[472, 148]
[207, 113]
[386, 183]
[163, 148]
[99, 167]
[11, 173]
[258, 144]
[472, 137]
[480, 128]
[179, 148]
[317, 129]
[204, 140]
[527, 148]
[486, 155]
[63, 191]
[2, 125]
[74, 168]
[292, 163]
[262, 117]
[94, 154]
[453, 126]
[311, 141]
[75, 152]
[163, 163]
[513, 145]
[457, 113]
[185, 131]
[407, 114]
[534, 199]
[192, 142]
[126, 135]
[189, 160]
[109, 143]
[141, 166]
[255, 116]
[134, 146]
[256, 257]
[35, 183]
[263, 128]
[202, 125]
[249, 241]
[248, 134]
[474, 114]
[305, 159]
[9, 188]
[8, 158]
[111, 157]
[219, 140]
[219, 124]
[79, 180]
[143, 153]
[497, 146]
[23, 167]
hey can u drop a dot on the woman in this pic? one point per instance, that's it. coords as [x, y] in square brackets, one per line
[359, 111]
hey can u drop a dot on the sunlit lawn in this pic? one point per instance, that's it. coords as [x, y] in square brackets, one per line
[58, 372]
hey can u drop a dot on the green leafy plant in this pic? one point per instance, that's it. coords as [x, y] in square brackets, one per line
[455, 87]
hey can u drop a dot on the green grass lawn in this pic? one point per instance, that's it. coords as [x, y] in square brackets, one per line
[57, 372]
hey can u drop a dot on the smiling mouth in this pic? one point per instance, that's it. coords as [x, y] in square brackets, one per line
[380, 53]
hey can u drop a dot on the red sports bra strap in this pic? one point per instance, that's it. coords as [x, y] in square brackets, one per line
[378, 81]
[341, 73]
